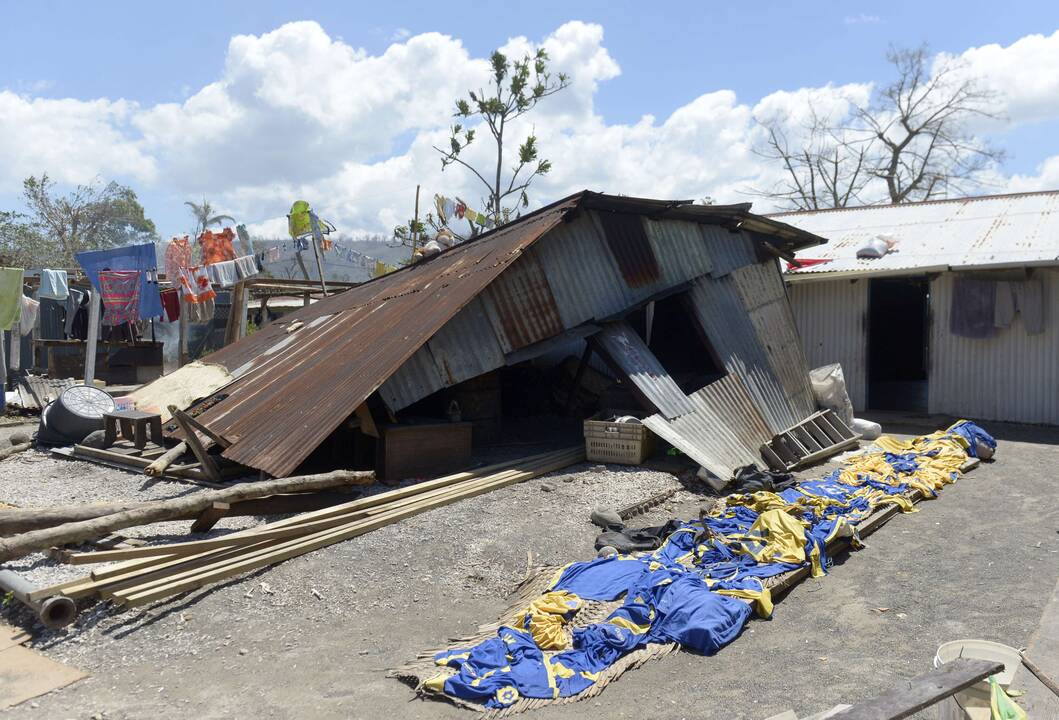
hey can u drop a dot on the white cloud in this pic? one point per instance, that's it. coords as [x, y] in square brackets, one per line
[297, 113]
[862, 19]
[1046, 178]
[1024, 76]
[71, 140]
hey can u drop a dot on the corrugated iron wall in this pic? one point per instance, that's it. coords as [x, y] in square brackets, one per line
[746, 316]
[1013, 376]
[832, 319]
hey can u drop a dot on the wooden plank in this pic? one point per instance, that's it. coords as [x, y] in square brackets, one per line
[209, 517]
[82, 587]
[367, 422]
[922, 691]
[209, 467]
[212, 435]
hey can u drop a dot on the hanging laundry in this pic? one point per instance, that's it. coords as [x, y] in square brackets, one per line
[217, 247]
[1029, 295]
[273, 254]
[140, 258]
[1004, 312]
[246, 267]
[177, 256]
[245, 243]
[54, 285]
[73, 305]
[199, 295]
[973, 309]
[10, 297]
[222, 274]
[171, 304]
[120, 295]
[28, 318]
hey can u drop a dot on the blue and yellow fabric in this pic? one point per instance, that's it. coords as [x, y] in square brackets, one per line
[701, 586]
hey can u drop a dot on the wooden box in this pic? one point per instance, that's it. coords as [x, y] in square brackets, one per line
[422, 451]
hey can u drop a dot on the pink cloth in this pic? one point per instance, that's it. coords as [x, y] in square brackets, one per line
[120, 293]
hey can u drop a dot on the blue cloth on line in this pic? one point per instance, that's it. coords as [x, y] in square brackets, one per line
[131, 257]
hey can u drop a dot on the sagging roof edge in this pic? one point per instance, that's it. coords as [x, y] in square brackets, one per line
[735, 216]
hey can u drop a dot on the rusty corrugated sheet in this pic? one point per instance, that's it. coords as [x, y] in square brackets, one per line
[522, 307]
[628, 243]
[627, 350]
[283, 407]
[723, 431]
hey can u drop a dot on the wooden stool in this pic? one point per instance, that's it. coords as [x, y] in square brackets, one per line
[133, 426]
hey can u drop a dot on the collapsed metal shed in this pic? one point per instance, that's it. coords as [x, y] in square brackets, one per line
[573, 269]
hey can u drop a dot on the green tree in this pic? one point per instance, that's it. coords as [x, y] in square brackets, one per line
[516, 88]
[204, 216]
[56, 227]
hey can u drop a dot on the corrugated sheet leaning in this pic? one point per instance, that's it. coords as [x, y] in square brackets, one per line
[699, 587]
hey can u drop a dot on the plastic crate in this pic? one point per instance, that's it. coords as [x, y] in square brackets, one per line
[622, 443]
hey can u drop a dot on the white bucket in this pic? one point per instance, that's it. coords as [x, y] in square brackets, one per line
[973, 703]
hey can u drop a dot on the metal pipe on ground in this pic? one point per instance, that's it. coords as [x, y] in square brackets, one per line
[54, 612]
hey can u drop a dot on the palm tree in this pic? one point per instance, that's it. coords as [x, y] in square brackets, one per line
[204, 216]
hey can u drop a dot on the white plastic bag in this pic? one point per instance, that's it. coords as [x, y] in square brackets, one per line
[867, 429]
[829, 388]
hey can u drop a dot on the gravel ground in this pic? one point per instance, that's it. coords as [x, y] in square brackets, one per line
[314, 636]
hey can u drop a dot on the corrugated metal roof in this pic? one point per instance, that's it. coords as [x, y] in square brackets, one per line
[981, 232]
[284, 405]
[724, 430]
[624, 348]
[297, 379]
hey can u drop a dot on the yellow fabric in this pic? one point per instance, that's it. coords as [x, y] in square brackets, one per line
[10, 296]
[436, 684]
[760, 599]
[776, 536]
[546, 621]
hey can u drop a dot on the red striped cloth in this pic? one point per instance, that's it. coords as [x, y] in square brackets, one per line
[120, 293]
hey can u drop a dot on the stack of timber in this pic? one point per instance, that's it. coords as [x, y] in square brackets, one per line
[150, 573]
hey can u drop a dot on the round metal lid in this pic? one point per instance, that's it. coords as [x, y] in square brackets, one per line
[87, 401]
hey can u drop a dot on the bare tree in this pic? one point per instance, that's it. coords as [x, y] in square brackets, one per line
[826, 169]
[517, 87]
[912, 142]
[920, 124]
[57, 227]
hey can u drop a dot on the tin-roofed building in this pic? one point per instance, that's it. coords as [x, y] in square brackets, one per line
[960, 316]
[684, 302]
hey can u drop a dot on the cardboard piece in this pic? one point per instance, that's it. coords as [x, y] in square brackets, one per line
[25, 674]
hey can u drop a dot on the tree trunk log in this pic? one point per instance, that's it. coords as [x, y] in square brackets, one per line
[158, 467]
[175, 508]
[9, 451]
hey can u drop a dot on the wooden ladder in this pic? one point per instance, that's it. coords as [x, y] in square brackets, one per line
[819, 436]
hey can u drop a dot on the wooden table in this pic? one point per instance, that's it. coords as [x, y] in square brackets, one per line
[132, 425]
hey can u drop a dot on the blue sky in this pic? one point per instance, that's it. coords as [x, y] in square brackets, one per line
[668, 53]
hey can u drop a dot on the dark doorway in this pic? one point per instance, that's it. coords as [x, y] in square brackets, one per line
[678, 341]
[898, 325]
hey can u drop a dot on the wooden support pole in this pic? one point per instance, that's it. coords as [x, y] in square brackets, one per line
[191, 437]
[182, 350]
[318, 238]
[95, 305]
[582, 366]
[214, 436]
[19, 545]
[209, 517]
[159, 466]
